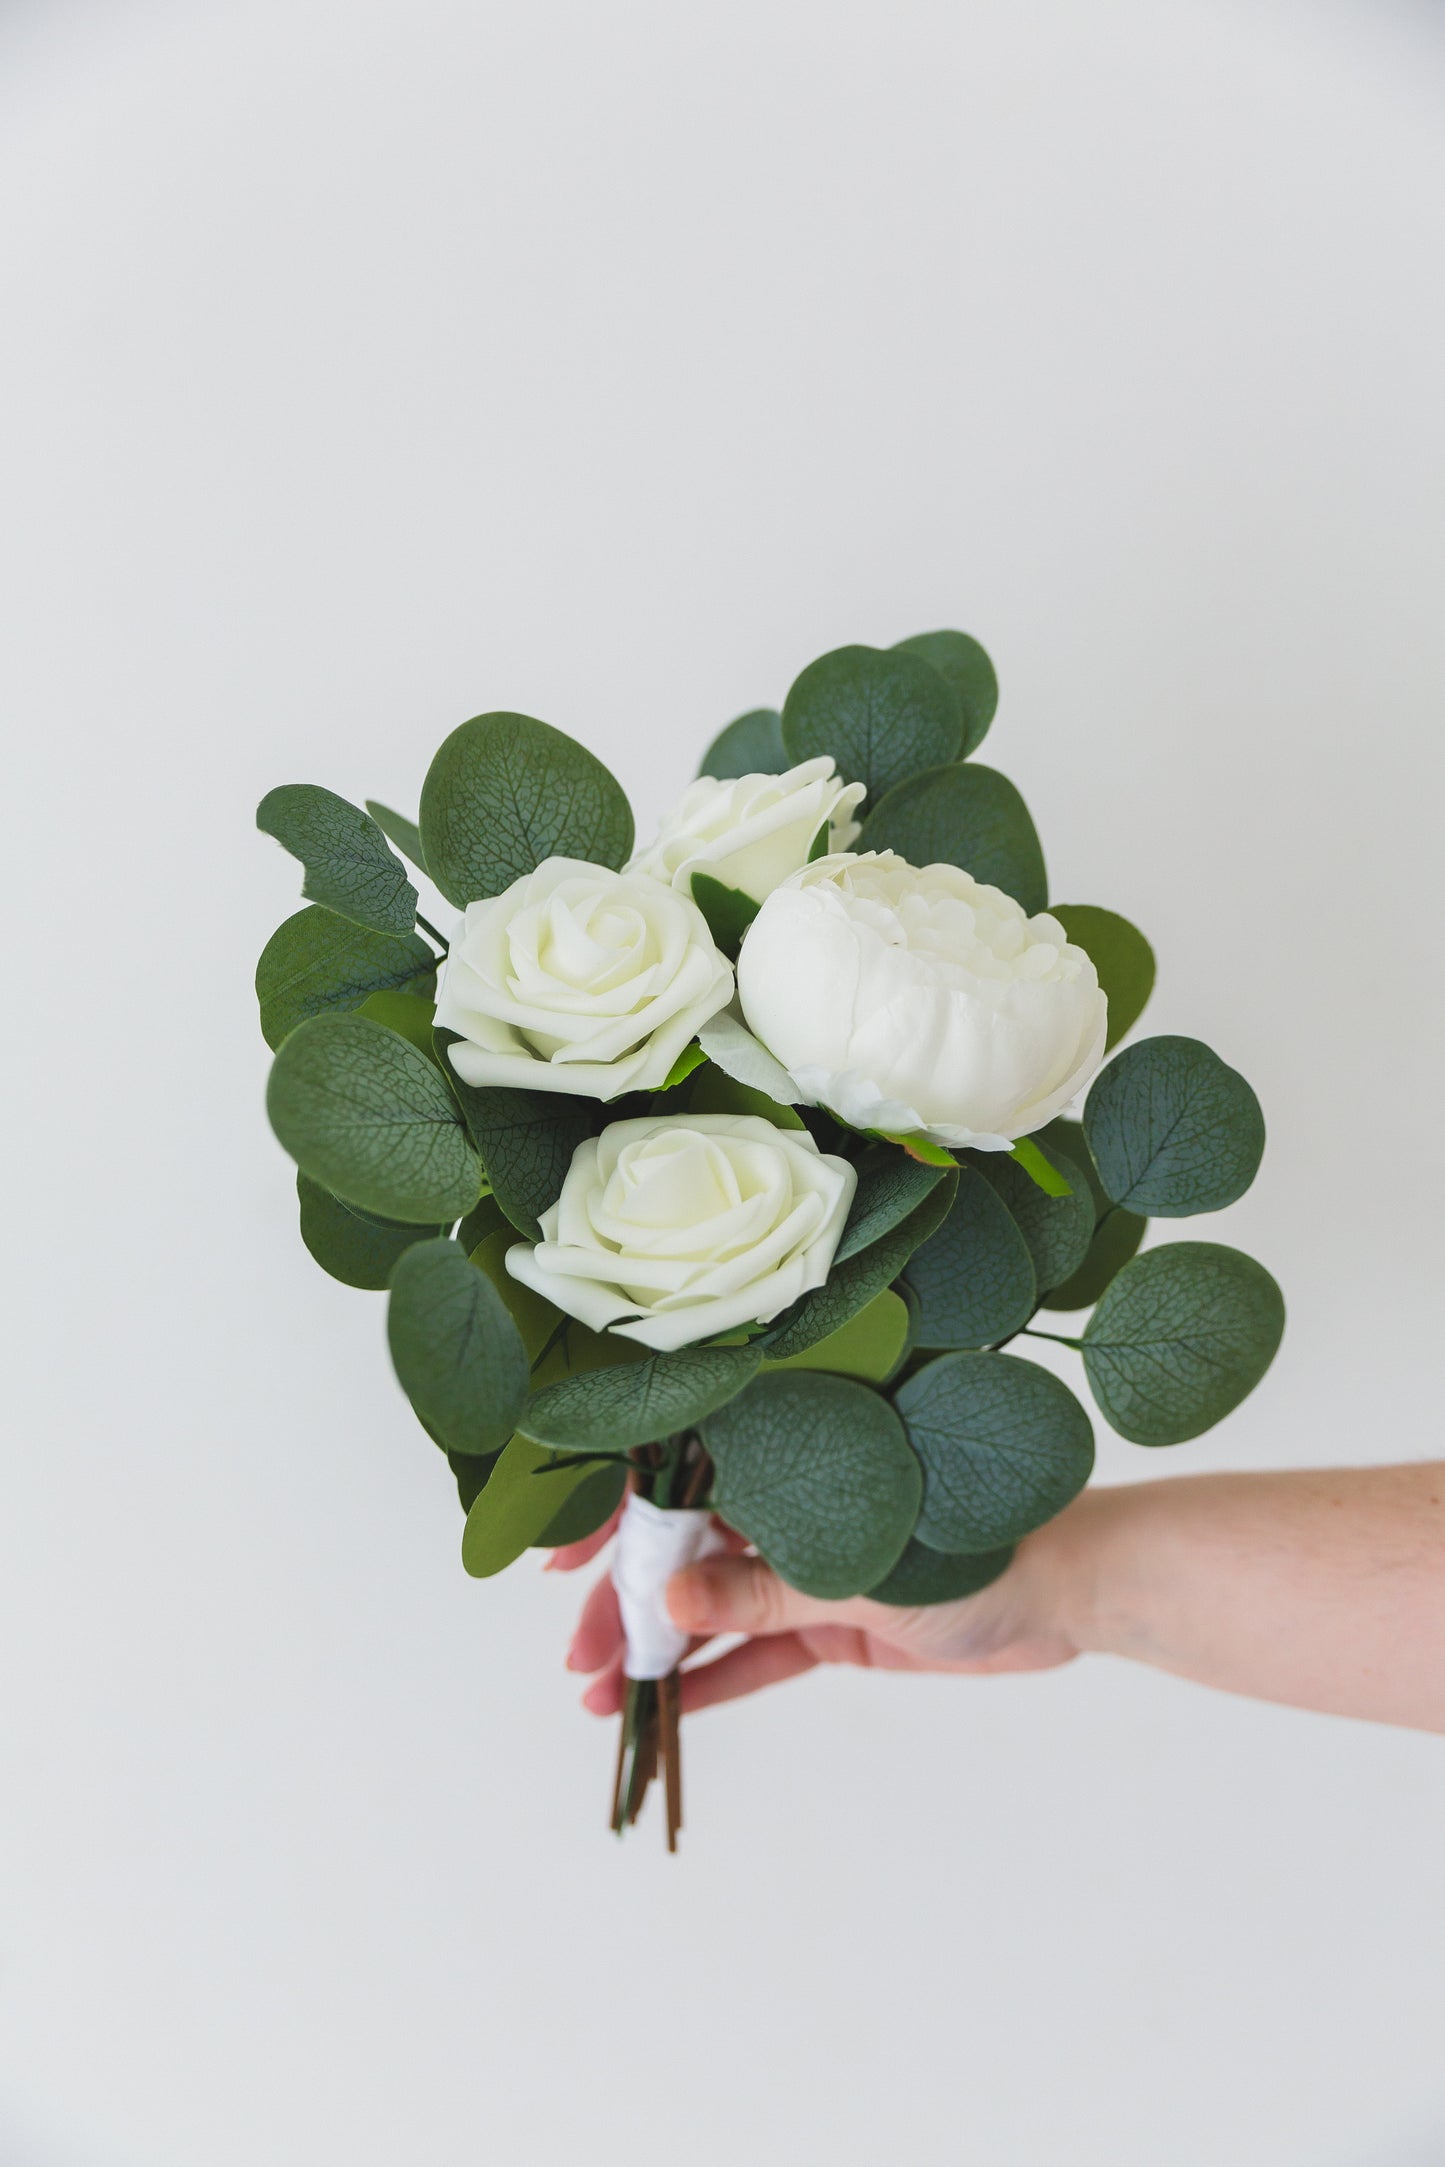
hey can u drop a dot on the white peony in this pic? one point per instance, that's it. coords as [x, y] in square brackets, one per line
[753, 831]
[678, 1227]
[579, 979]
[914, 1000]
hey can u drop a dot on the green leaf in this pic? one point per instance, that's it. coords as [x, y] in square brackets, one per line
[535, 1318]
[1041, 1173]
[640, 1403]
[369, 1118]
[399, 830]
[917, 1145]
[715, 1092]
[349, 868]
[350, 1245]
[522, 1497]
[728, 911]
[924, 1576]
[316, 961]
[753, 745]
[1058, 1229]
[590, 1506]
[455, 1349]
[890, 1186]
[1173, 1130]
[690, 1058]
[881, 714]
[852, 1285]
[969, 674]
[408, 1015]
[965, 815]
[505, 792]
[1117, 1233]
[1004, 1446]
[974, 1278]
[484, 1218]
[1181, 1337]
[817, 1472]
[870, 1345]
[1121, 956]
[526, 1139]
[473, 1473]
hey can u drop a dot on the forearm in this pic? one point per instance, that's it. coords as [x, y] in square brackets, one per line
[1322, 1589]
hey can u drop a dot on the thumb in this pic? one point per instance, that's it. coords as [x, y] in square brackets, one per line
[744, 1595]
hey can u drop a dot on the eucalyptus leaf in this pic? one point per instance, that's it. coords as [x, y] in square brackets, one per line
[523, 1496]
[399, 830]
[728, 911]
[1004, 1446]
[371, 1119]
[407, 1014]
[455, 1349]
[590, 1506]
[526, 1139]
[966, 815]
[817, 1472]
[852, 1285]
[713, 1091]
[348, 866]
[1173, 1130]
[472, 1473]
[881, 714]
[890, 1186]
[1058, 1229]
[1121, 956]
[974, 1278]
[870, 1345]
[966, 669]
[505, 792]
[484, 1218]
[1182, 1335]
[924, 1576]
[639, 1403]
[316, 961]
[349, 1244]
[752, 745]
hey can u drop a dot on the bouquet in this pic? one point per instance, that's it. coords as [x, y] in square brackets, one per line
[719, 1184]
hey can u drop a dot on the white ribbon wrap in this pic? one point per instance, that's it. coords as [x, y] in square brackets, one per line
[652, 1545]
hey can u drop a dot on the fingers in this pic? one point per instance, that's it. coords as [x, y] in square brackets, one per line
[743, 1595]
[605, 1695]
[746, 1670]
[568, 1556]
[598, 1638]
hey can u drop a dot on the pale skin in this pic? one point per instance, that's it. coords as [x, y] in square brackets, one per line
[1320, 1589]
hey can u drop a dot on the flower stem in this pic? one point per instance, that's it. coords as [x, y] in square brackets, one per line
[1057, 1337]
[440, 938]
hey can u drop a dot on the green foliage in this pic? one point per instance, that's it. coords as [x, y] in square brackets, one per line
[455, 1349]
[870, 1345]
[1057, 1229]
[407, 1014]
[752, 745]
[924, 1576]
[974, 1278]
[349, 868]
[522, 1497]
[353, 1246]
[1173, 1130]
[851, 1286]
[881, 713]
[690, 1058]
[1004, 1446]
[505, 792]
[484, 1218]
[316, 961]
[526, 1139]
[473, 1472]
[965, 815]
[1041, 1172]
[890, 1186]
[369, 1118]
[1121, 956]
[713, 1091]
[728, 911]
[639, 1403]
[966, 669]
[1117, 1233]
[399, 830]
[590, 1506]
[817, 1472]
[1181, 1337]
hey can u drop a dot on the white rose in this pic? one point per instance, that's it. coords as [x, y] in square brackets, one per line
[679, 1227]
[579, 979]
[753, 831]
[909, 1000]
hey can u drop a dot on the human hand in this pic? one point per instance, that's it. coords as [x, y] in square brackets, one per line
[1022, 1621]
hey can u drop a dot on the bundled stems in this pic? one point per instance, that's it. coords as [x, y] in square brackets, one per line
[649, 1739]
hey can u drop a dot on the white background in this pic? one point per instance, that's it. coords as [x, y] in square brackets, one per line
[369, 364]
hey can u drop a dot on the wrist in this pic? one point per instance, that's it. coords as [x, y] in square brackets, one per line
[1081, 1571]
